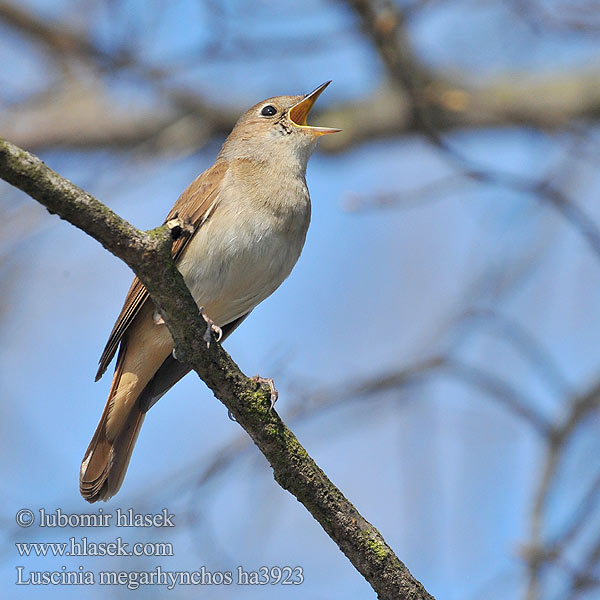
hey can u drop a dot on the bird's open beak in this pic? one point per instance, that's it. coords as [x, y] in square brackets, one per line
[298, 113]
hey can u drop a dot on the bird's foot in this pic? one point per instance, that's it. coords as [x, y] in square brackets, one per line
[179, 227]
[271, 384]
[210, 329]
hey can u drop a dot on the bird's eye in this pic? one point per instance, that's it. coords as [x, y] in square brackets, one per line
[268, 111]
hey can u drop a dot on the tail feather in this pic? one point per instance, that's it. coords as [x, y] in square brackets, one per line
[143, 350]
[106, 460]
[105, 464]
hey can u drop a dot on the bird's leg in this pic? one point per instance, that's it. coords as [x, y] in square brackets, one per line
[210, 328]
[271, 384]
[179, 228]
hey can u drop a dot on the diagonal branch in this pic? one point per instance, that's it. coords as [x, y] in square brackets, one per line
[149, 255]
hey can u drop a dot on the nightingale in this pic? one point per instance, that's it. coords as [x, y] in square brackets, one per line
[250, 213]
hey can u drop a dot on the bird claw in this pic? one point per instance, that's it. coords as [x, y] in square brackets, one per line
[210, 329]
[260, 380]
[179, 228]
[269, 381]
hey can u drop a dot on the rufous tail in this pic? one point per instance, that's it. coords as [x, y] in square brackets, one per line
[106, 460]
[143, 350]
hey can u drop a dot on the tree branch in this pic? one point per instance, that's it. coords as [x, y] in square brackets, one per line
[149, 255]
[185, 119]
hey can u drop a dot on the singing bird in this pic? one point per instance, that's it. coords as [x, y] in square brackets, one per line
[250, 213]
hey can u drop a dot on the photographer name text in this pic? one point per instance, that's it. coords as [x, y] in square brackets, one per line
[121, 518]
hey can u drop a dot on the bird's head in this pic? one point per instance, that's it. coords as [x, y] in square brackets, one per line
[276, 129]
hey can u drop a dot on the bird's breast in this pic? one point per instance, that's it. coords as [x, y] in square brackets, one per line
[246, 248]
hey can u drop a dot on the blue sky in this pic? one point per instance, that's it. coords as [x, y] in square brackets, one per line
[444, 472]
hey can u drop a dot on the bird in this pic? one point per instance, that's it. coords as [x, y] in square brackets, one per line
[250, 213]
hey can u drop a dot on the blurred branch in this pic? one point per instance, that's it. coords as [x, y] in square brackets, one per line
[488, 383]
[536, 553]
[59, 39]
[584, 581]
[579, 519]
[429, 192]
[310, 403]
[383, 22]
[418, 100]
[499, 389]
[529, 347]
[566, 17]
[149, 255]
[440, 102]
[79, 112]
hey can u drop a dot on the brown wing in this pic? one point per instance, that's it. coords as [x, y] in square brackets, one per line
[194, 205]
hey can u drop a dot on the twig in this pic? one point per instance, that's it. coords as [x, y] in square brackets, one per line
[536, 553]
[524, 341]
[383, 22]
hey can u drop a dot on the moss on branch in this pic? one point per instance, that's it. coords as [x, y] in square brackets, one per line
[149, 255]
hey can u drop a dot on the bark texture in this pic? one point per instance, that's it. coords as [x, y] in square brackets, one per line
[149, 256]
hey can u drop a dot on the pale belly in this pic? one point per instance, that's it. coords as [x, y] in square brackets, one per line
[233, 263]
